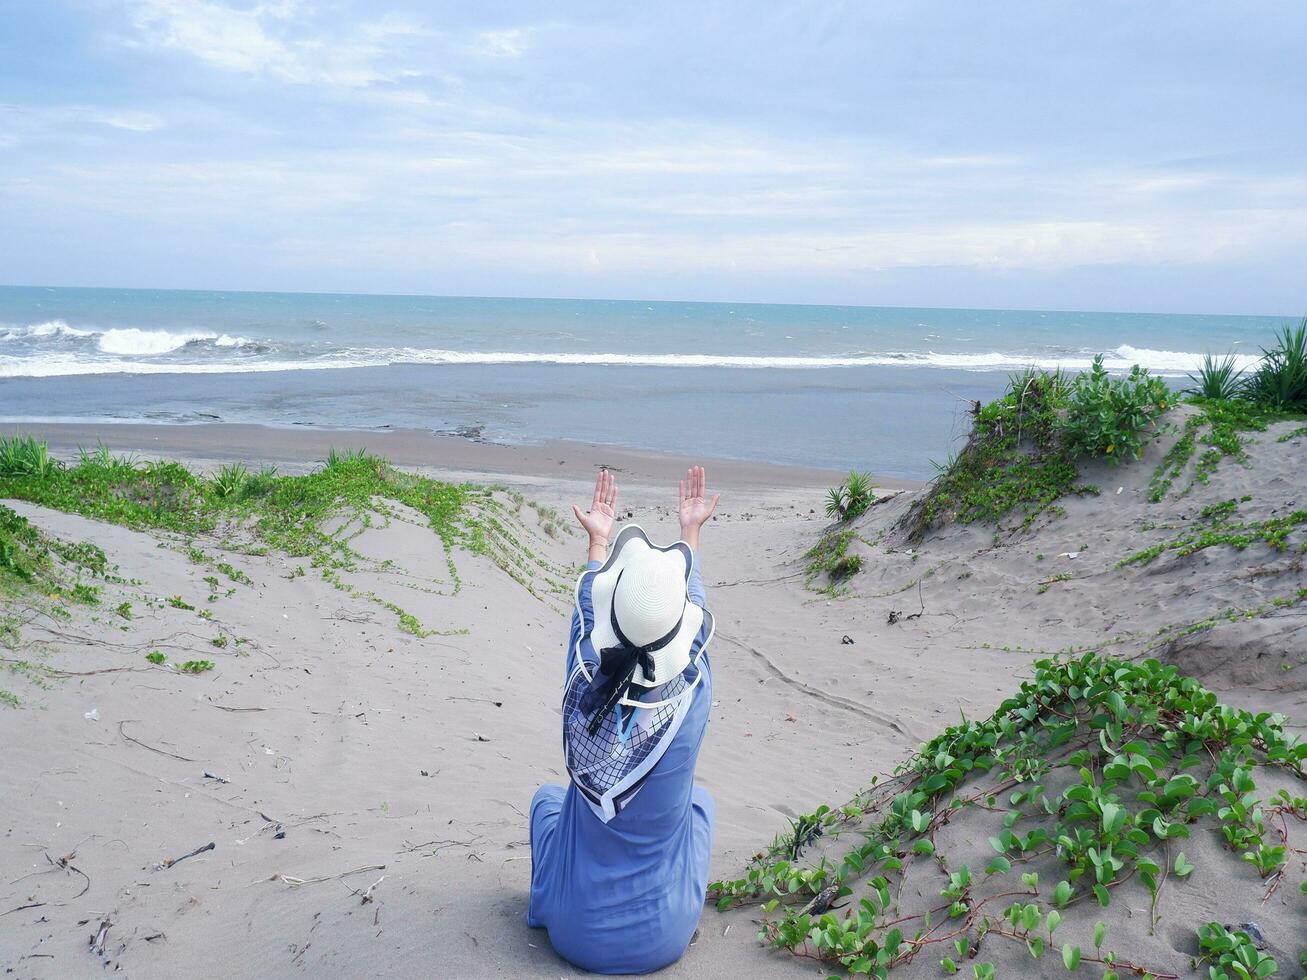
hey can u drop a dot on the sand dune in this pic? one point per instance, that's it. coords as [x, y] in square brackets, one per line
[364, 787]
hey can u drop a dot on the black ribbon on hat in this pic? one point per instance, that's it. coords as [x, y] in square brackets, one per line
[618, 664]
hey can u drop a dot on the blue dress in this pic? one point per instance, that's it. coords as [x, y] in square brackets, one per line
[626, 896]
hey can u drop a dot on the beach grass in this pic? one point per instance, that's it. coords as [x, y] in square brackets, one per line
[1280, 381]
[850, 499]
[314, 516]
[1027, 448]
[1218, 378]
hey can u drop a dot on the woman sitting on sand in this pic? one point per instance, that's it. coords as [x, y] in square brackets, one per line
[619, 859]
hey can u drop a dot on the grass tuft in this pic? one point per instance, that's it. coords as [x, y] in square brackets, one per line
[25, 456]
[1218, 378]
[1280, 381]
[850, 499]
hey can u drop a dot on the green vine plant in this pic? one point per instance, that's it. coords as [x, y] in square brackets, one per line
[1090, 778]
[315, 516]
[1217, 524]
[1217, 424]
[1232, 955]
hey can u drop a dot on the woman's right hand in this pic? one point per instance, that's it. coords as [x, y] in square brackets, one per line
[598, 521]
[694, 506]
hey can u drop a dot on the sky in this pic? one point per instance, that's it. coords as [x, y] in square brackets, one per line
[1050, 155]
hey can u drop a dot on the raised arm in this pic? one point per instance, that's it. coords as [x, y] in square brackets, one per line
[598, 521]
[695, 507]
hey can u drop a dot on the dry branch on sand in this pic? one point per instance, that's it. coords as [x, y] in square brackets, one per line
[146, 745]
[296, 882]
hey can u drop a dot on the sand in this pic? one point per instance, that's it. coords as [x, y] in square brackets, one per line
[368, 812]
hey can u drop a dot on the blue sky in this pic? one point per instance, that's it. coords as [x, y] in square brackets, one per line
[1119, 156]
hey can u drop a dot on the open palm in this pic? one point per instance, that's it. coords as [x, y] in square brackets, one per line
[695, 507]
[598, 522]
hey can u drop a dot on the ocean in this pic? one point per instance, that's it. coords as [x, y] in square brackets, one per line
[877, 388]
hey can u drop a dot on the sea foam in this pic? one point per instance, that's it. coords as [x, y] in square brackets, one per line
[132, 342]
[129, 345]
[51, 328]
[53, 349]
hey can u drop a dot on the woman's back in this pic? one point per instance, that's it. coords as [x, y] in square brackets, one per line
[619, 858]
[625, 896]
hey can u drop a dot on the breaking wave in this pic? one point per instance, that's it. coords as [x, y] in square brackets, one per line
[55, 349]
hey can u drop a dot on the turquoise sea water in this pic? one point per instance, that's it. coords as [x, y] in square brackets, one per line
[877, 388]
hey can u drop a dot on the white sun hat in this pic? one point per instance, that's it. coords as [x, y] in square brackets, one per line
[634, 667]
[640, 601]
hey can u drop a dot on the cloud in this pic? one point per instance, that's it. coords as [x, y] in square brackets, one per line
[997, 247]
[974, 160]
[267, 40]
[508, 43]
[133, 121]
[23, 123]
[734, 203]
[680, 144]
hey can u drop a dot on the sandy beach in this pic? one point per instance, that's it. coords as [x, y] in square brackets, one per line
[364, 742]
[363, 788]
[327, 328]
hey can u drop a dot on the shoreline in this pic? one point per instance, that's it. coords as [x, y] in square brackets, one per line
[417, 447]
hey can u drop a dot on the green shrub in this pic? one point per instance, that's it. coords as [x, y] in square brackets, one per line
[1218, 378]
[1025, 447]
[1109, 416]
[1280, 381]
[1013, 460]
[845, 567]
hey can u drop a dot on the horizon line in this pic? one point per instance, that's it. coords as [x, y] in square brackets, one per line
[614, 299]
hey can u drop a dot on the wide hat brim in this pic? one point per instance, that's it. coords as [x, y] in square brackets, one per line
[673, 658]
